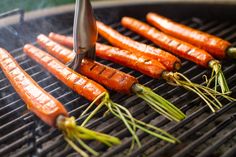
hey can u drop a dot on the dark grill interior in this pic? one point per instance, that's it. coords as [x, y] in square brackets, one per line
[202, 133]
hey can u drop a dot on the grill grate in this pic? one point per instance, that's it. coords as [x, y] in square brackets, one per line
[202, 133]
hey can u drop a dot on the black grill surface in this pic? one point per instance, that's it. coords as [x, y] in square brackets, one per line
[202, 133]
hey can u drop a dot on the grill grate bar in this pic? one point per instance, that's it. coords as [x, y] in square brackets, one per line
[205, 26]
[218, 143]
[218, 27]
[16, 144]
[202, 139]
[17, 131]
[226, 31]
[26, 151]
[230, 153]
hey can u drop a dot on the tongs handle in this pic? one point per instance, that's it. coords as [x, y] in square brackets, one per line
[84, 32]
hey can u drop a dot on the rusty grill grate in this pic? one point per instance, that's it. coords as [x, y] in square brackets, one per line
[202, 133]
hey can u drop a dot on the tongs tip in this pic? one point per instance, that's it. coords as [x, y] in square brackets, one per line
[84, 33]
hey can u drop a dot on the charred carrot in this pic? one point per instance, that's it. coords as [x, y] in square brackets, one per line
[173, 78]
[66, 75]
[46, 107]
[168, 60]
[180, 48]
[169, 43]
[112, 78]
[216, 46]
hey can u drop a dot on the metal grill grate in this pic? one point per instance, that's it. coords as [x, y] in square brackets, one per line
[202, 133]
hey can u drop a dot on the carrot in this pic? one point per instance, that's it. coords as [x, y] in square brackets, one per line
[112, 78]
[168, 60]
[176, 79]
[61, 71]
[169, 43]
[216, 46]
[46, 107]
[180, 48]
[61, 39]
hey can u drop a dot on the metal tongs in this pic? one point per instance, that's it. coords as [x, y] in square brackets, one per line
[84, 33]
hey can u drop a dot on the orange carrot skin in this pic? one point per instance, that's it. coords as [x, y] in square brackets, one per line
[119, 56]
[59, 52]
[124, 42]
[176, 46]
[214, 45]
[137, 61]
[45, 106]
[110, 77]
[81, 84]
[62, 39]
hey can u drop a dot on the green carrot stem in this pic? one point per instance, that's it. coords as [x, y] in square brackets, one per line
[206, 94]
[218, 77]
[76, 148]
[216, 93]
[92, 104]
[89, 149]
[158, 103]
[200, 89]
[130, 122]
[143, 126]
[73, 132]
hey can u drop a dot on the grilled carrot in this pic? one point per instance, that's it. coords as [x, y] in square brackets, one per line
[168, 60]
[45, 106]
[55, 67]
[61, 39]
[173, 78]
[180, 48]
[216, 46]
[169, 43]
[111, 78]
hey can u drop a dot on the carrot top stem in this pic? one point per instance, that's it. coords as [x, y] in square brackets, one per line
[217, 76]
[130, 122]
[158, 103]
[231, 52]
[205, 93]
[73, 132]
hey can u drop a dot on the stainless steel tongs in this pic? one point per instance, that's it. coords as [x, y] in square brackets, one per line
[84, 33]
